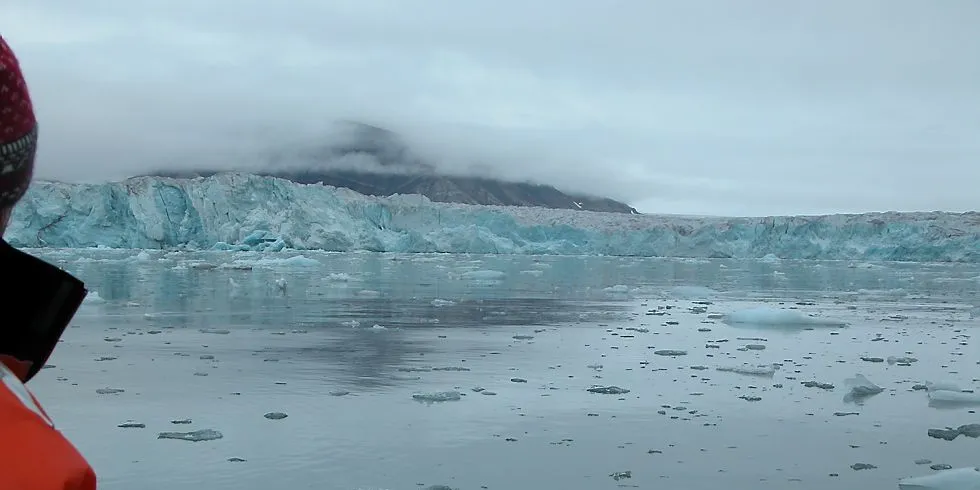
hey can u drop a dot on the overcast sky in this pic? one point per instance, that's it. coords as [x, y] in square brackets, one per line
[731, 107]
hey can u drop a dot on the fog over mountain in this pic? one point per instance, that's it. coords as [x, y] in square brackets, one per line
[375, 161]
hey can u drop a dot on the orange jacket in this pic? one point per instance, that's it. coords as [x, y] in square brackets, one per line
[41, 458]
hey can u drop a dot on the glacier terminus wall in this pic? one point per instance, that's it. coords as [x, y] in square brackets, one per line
[246, 212]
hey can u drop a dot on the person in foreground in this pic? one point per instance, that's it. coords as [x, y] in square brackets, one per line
[37, 300]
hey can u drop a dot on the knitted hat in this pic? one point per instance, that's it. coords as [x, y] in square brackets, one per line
[18, 130]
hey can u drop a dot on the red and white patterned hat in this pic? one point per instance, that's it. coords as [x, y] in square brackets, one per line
[18, 130]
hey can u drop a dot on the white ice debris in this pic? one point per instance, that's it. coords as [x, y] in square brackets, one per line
[954, 479]
[775, 317]
[608, 390]
[483, 275]
[441, 302]
[748, 370]
[195, 436]
[439, 396]
[281, 284]
[272, 262]
[339, 277]
[901, 360]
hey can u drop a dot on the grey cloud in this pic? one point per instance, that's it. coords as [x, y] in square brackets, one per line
[749, 107]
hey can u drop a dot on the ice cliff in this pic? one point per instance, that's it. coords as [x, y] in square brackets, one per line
[246, 212]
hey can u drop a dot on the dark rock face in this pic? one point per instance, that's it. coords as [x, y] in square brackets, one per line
[395, 170]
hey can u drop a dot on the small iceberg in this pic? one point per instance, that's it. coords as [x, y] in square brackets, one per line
[765, 316]
[483, 275]
[617, 289]
[763, 371]
[860, 389]
[693, 292]
[295, 261]
[93, 298]
[608, 390]
[942, 386]
[949, 398]
[955, 479]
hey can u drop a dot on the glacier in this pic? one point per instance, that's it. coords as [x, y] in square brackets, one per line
[236, 211]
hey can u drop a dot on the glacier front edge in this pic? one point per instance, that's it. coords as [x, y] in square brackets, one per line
[236, 211]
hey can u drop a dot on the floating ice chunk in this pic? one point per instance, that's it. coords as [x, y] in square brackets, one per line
[281, 284]
[351, 323]
[864, 265]
[483, 275]
[339, 277]
[860, 388]
[969, 430]
[369, 293]
[944, 434]
[608, 390]
[774, 317]
[195, 436]
[440, 396]
[693, 292]
[618, 289]
[93, 298]
[270, 262]
[670, 352]
[955, 479]
[939, 398]
[379, 327]
[533, 272]
[942, 386]
[770, 259]
[901, 360]
[764, 371]
[442, 302]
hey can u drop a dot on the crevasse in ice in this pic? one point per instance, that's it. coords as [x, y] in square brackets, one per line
[246, 212]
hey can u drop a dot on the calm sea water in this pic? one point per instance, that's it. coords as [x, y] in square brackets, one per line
[343, 343]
